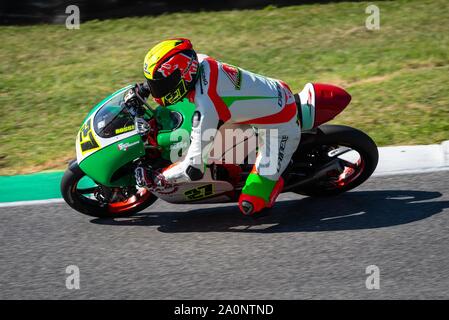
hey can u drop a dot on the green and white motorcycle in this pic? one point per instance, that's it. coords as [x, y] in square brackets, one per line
[111, 143]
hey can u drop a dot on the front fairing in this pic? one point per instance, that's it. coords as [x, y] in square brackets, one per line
[108, 141]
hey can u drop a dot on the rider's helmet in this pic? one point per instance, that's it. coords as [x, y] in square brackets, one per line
[171, 70]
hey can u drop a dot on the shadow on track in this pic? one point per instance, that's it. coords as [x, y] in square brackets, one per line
[349, 211]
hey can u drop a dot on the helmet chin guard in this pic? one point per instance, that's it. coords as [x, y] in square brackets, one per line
[174, 96]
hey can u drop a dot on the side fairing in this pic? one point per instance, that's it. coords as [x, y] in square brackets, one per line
[104, 165]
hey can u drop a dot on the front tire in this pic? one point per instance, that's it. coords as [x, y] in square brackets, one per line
[93, 207]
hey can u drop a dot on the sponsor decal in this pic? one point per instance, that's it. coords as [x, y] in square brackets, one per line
[124, 129]
[281, 151]
[182, 62]
[234, 74]
[167, 190]
[176, 95]
[200, 192]
[309, 97]
[125, 146]
[203, 76]
[278, 88]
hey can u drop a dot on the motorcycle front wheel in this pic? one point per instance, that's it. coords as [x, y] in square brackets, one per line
[87, 200]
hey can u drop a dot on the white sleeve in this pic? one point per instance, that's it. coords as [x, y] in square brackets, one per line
[204, 128]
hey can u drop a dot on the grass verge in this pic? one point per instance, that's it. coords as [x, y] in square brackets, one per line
[50, 77]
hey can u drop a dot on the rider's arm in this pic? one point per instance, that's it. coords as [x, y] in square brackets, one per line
[204, 127]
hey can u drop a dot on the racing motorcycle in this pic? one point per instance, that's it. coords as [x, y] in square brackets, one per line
[117, 136]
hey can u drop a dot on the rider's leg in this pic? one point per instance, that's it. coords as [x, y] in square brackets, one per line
[265, 183]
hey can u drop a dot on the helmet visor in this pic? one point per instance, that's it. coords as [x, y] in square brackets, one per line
[164, 85]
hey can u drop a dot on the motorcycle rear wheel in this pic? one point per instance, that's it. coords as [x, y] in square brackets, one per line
[75, 198]
[334, 136]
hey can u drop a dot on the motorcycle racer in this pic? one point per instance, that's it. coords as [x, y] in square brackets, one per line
[223, 94]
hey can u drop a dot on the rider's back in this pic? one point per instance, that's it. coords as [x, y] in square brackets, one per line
[244, 95]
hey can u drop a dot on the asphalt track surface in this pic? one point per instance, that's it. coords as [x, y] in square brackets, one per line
[308, 248]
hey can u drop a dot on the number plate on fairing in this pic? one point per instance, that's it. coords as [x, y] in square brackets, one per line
[202, 191]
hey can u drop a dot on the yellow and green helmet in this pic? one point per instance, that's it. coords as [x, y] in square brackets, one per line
[171, 70]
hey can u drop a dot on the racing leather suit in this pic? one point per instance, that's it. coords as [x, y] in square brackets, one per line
[228, 94]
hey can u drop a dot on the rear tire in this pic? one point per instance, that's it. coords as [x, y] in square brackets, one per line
[91, 207]
[342, 136]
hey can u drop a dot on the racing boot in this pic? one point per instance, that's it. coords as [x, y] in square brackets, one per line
[251, 204]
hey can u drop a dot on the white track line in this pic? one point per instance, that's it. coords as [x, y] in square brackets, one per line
[408, 171]
[413, 159]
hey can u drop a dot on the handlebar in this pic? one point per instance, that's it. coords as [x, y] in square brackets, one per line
[135, 100]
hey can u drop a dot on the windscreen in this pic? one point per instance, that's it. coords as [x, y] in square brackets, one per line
[113, 118]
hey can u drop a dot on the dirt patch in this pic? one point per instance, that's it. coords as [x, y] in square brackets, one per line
[413, 67]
